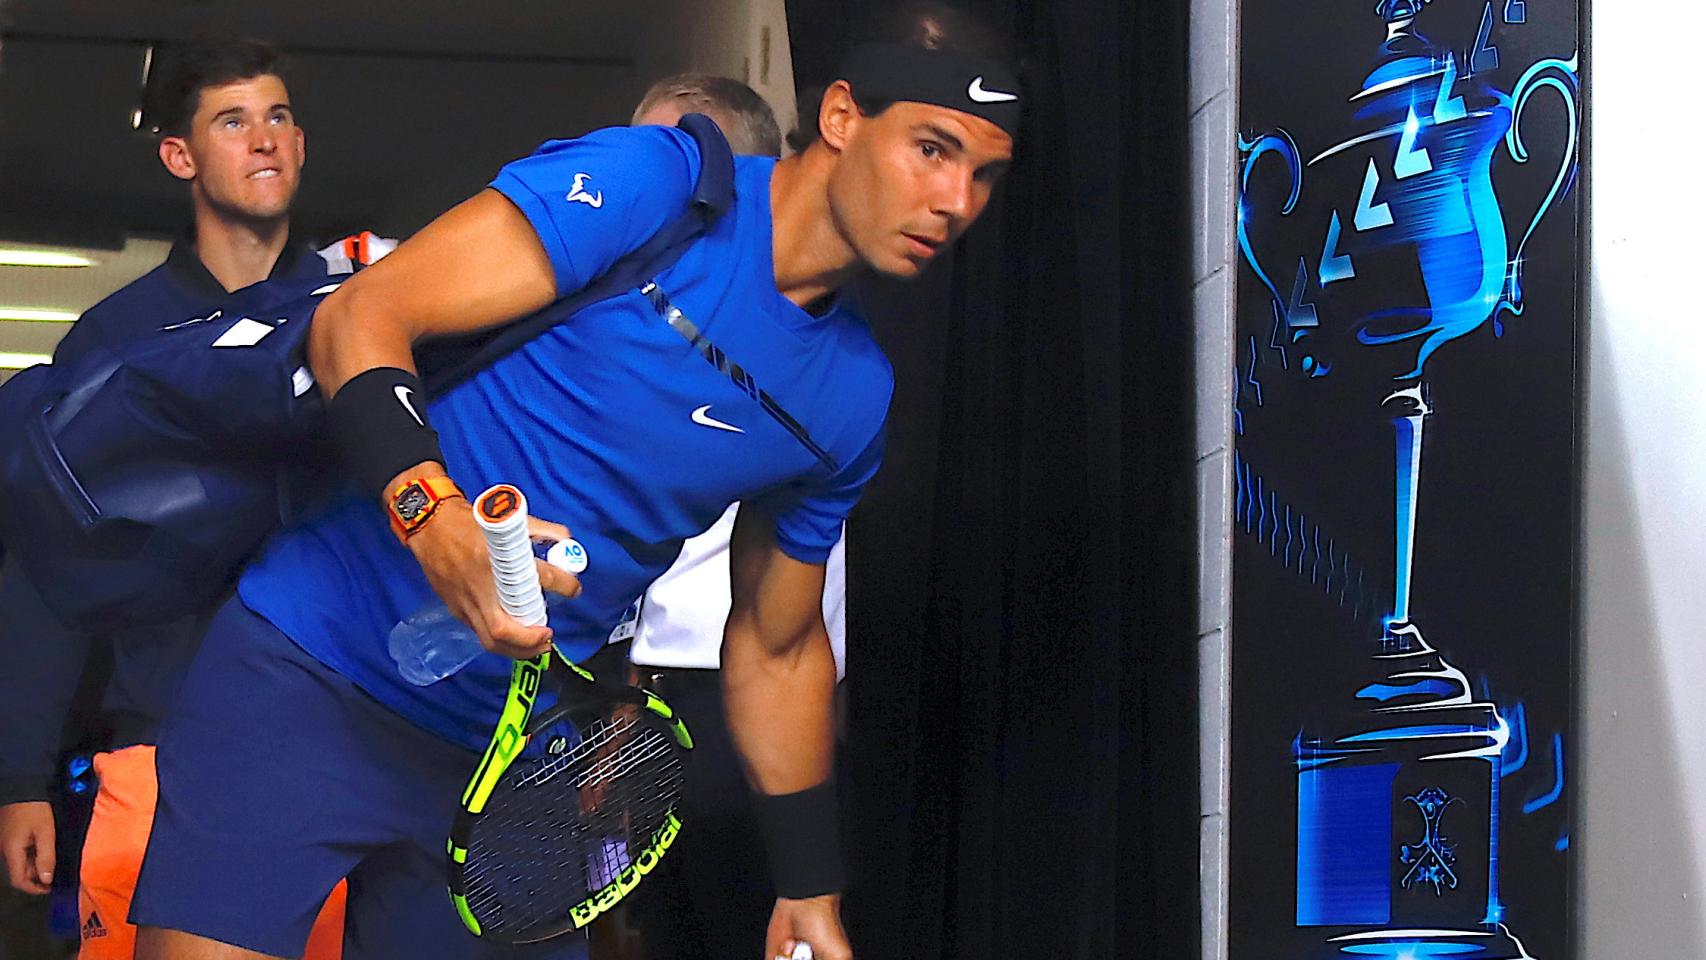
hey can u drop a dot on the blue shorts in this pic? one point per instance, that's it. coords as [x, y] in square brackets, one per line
[277, 777]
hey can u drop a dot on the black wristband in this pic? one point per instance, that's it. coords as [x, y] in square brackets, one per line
[802, 834]
[379, 421]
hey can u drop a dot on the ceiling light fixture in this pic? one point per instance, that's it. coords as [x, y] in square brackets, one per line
[34, 315]
[10, 257]
[136, 112]
[18, 361]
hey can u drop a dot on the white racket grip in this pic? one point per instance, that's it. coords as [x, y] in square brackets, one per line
[501, 512]
[802, 951]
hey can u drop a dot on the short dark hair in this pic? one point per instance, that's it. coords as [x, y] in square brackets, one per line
[810, 101]
[208, 60]
[747, 119]
[922, 24]
[940, 25]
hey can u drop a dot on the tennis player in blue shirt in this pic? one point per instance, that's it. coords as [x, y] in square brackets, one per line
[618, 430]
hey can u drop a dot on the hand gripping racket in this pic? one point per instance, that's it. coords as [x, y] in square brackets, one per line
[568, 811]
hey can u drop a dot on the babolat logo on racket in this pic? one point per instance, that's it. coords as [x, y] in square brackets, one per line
[510, 734]
[612, 893]
[499, 502]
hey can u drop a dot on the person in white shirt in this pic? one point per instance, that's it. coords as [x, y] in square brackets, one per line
[679, 622]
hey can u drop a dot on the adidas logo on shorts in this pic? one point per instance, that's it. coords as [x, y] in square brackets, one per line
[94, 928]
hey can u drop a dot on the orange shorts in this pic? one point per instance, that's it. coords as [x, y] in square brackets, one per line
[112, 857]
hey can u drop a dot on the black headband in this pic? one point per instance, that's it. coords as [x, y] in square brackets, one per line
[981, 86]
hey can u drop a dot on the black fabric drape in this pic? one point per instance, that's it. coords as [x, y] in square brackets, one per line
[1022, 754]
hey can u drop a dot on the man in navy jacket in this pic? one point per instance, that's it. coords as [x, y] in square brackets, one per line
[228, 132]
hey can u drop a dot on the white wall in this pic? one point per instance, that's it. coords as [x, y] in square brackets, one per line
[1642, 823]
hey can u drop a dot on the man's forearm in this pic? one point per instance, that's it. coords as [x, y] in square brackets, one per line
[353, 332]
[780, 708]
[780, 703]
[362, 355]
[477, 266]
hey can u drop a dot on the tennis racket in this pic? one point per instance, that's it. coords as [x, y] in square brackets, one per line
[569, 810]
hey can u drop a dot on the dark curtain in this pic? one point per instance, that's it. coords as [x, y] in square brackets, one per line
[1021, 764]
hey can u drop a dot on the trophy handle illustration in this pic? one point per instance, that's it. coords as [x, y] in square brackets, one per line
[1280, 144]
[1560, 76]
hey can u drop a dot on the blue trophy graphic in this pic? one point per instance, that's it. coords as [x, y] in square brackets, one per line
[1399, 806]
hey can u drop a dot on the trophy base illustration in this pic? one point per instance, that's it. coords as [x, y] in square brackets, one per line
[1495, 944]
[1398, 816]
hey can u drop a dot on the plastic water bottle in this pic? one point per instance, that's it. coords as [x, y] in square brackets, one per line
[432, 644]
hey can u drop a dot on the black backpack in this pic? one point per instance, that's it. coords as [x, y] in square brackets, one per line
[137, 479]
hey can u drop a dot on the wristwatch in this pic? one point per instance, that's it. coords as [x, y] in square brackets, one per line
[415, 501]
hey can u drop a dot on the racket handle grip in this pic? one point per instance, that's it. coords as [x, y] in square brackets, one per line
[501, 512]
[802, 951]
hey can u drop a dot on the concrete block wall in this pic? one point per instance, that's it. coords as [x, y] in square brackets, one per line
[1213, 100]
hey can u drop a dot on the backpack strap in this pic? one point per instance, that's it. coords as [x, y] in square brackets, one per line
[445, 363]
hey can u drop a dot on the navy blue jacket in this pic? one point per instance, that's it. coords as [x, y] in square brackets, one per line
[40, 659]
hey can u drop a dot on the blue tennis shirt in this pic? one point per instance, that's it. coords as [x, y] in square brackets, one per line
[610, 423]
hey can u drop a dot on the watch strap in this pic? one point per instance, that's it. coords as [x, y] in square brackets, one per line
[410, 510]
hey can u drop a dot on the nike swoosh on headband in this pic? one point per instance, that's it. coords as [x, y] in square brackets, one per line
[979, 95]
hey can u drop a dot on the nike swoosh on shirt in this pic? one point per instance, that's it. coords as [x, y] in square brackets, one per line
[402, 393]
[704, 419]
[979, 95]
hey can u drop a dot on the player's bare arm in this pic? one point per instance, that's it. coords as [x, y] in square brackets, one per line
[779, 684]
[477, 266]
[778, 673]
